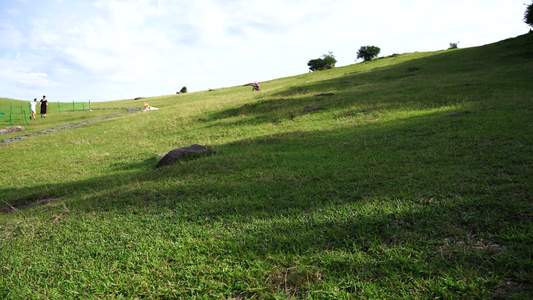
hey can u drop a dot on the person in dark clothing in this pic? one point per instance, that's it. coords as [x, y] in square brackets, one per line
[44, 107]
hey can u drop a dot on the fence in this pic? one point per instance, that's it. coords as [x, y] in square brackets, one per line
[11, 114]
[16, 113]
[67, 106]
[12, 118]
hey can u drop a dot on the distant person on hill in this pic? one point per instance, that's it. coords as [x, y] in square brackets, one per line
[148, 107]
[255, 86]
[44, 107]
[33, 108]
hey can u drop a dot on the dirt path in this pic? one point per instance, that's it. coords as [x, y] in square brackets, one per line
[64, 127]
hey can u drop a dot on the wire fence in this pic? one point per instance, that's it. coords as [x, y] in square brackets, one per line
[13, 118]
[16, 113]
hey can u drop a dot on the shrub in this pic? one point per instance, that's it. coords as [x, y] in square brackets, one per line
[183, 90]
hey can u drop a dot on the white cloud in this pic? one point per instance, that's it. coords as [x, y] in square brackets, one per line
[35, 79]
[11, 37]
[13, 11]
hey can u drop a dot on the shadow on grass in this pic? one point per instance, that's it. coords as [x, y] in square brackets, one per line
[432, 154]
[380, 95]
[417, 158]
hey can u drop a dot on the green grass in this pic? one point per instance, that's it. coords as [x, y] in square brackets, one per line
[414, 181]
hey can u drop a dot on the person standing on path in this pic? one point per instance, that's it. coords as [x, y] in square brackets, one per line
[44, 107]
[33, 106]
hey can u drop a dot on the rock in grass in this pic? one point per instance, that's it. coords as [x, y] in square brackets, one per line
[313, 108]
[11, 129]
[178, 154]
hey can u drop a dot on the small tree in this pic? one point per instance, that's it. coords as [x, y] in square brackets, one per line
[320, 63]
[528, 15]
[329, 59]
[453, 46]
[183, 90]
[316, 64]
[368, 52]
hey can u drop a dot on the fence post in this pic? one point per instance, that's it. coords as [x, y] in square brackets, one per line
[11, 118]
[26, 117]
[58, 106]
[83, 105]
[73, 106]
[10, 107]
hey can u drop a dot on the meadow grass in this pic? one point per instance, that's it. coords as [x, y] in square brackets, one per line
[413, 181]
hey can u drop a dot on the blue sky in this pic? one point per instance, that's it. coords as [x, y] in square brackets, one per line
[103, 50]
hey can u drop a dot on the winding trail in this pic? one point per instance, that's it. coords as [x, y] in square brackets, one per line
[68, 126]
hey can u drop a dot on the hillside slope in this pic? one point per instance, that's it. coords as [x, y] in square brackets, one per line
[405, 177]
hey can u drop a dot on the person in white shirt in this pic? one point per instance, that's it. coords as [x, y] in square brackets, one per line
[33, 107]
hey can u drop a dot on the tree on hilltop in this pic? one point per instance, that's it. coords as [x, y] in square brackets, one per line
[528, 15]
[326, 62]
[368, 52]
[329, 59]
[453, 46]
[315, 64]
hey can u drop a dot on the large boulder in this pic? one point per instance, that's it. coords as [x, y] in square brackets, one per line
[12, 129]
[178, 154]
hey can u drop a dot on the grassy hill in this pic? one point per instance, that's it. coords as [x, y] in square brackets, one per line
[405, 177]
